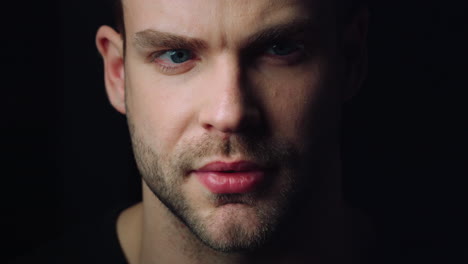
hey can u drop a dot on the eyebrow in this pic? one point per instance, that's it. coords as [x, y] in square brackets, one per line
[150, 38]
[303, 28]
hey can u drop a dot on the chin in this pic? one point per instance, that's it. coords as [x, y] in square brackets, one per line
[233, 228]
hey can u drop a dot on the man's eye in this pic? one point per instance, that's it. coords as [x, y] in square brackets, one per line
[284, 49]
[176, 56]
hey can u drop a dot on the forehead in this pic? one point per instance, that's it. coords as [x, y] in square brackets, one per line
[214, 20]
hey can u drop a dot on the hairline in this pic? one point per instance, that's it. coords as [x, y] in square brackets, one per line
[350, 7]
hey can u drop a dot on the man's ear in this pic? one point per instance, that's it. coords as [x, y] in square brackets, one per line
[110, 45]
[355, 42]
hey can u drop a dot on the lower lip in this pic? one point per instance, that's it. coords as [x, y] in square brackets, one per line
[237, 182]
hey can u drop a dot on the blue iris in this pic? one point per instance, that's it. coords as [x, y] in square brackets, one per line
[179, 55]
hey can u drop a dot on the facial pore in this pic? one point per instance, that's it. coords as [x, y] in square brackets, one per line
[165, 176]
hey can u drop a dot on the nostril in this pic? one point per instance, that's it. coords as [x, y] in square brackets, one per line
[207, 126]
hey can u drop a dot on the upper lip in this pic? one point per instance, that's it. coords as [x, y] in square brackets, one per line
[229, 166]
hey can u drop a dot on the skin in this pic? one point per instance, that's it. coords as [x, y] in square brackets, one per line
[281, 111]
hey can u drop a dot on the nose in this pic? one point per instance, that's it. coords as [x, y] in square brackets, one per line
[228, 107]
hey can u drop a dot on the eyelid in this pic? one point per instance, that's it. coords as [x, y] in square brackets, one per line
[159, 53]
[172, 68]
[297, 47]
[261, 47]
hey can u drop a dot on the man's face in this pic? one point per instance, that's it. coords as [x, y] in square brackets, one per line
[223, 82]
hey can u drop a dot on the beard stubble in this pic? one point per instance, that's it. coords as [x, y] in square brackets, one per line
[165, 174]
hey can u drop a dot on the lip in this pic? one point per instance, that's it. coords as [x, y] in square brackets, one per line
[230, 177]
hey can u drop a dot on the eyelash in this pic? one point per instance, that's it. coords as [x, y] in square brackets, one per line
[171, 70]
[288, 59]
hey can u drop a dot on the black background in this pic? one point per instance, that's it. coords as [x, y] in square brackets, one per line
[66, 155]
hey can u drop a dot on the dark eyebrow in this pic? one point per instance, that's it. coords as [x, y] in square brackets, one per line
[298, 28]
[150, 39]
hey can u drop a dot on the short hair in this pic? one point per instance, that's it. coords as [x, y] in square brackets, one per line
[346, 10]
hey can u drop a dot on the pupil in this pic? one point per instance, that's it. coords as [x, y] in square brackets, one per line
[283, 49]
[179, 56]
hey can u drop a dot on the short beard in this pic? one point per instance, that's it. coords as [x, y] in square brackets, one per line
[165, 175]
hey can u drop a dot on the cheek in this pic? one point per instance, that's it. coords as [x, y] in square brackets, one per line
[289, 100]
[159, 108]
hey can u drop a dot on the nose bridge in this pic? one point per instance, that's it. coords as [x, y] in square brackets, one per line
[225, 109]
[228, 86]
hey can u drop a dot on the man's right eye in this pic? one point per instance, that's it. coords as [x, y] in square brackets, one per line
[176, 56]
[172, 62]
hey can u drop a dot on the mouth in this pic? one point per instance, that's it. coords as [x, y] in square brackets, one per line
[230, 177]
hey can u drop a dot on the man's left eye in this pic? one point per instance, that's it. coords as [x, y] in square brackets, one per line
[284, 49]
